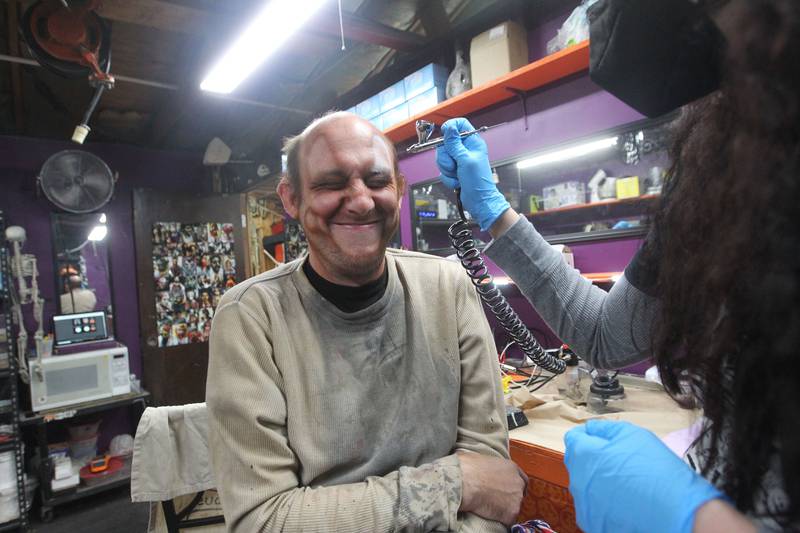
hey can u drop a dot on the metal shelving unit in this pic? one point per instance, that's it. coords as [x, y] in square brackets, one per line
[135, 401]
[8, 376]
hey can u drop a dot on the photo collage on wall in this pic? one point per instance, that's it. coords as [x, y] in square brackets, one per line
[193, 265]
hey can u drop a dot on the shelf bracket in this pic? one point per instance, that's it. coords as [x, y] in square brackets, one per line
[523, 99]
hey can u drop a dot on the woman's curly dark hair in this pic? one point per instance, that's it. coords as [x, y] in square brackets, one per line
[729, 235]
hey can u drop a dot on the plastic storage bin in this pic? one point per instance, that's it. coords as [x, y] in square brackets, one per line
[84, 431]
[8, 471]
[9, 501]
[82, 451]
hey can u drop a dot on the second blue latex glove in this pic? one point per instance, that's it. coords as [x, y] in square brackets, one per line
[465, 163]
[623, 478]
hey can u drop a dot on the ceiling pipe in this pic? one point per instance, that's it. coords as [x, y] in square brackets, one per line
[170, 87]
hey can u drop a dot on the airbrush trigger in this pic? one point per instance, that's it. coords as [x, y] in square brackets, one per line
[425, 129]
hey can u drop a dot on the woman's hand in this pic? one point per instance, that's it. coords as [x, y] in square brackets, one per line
[623, 478]
[465, 163]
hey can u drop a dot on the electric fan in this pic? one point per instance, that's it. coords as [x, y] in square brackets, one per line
[76, 181]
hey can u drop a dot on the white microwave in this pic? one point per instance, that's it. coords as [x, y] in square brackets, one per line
[63, 380]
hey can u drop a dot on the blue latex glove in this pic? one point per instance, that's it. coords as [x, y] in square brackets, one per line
[465, 163]
[623, 478]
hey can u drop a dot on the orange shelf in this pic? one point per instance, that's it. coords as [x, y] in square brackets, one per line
[602, 277]
[634, 199]
[532, 76]
[594, 277]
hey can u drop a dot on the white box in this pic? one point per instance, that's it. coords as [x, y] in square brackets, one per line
[392, 96]
[394, 116]
[564, 194]
[426, 100]
[62, 484]
[63, 468]
[369, 108]
[498, 51]
[426, 78]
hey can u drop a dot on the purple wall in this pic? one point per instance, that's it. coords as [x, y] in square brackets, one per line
[20, 161]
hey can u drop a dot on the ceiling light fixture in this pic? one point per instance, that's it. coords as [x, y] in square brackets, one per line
[271, 28]
[568, 153]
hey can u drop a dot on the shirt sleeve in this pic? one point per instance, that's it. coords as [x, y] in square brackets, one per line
[256, 471]
[482, 426]
[608, 329]
[642, 272]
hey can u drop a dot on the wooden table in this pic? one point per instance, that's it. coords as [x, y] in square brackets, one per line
[548, 495]
[539, 450]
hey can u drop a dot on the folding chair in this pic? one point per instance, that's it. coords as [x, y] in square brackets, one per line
[171, 467]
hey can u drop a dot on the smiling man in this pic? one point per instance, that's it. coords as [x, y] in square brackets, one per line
[356, 388]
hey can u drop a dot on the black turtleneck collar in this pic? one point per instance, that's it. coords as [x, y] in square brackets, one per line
[348, 299]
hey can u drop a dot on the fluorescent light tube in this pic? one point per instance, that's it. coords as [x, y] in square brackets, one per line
[271, 28]
[98, 233]
[568, 153]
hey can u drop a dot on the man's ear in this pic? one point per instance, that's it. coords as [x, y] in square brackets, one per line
[289, 199]
[401, 187]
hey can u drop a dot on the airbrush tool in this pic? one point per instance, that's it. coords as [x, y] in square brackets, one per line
[425, 129]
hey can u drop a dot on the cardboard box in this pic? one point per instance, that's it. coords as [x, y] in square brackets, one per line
[394, 116]
[392, 96]
[498, 51]
[369, 108]
[426, 78]
[426, 100]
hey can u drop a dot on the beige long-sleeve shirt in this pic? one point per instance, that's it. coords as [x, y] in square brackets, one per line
[321, 420]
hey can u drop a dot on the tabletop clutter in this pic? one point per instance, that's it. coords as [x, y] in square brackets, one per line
[77, 462]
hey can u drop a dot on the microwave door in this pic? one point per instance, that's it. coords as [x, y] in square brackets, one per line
[58, 382]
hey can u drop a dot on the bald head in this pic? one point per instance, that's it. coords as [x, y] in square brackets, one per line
[296, 148]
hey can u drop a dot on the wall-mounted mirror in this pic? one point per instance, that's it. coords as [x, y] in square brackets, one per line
[81, 251]
[599, 187]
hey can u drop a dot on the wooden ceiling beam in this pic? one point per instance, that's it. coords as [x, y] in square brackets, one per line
[179, 103]
[158, 14]
[433, 16]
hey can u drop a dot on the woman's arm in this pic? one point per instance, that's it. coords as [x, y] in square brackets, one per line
[608, 329]
[716, 516]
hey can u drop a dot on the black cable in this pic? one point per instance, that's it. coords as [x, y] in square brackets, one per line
[463, 241]
[92, 104]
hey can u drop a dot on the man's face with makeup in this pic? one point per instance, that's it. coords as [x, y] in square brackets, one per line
[349, 205]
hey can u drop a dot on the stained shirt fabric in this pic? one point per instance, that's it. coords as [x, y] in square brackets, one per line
[322, 420]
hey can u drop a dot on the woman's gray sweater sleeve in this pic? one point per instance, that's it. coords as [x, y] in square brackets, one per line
[607, 329]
